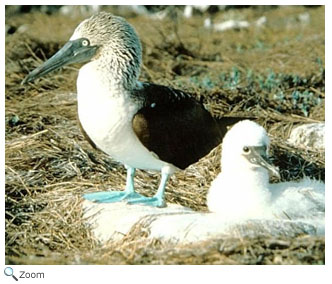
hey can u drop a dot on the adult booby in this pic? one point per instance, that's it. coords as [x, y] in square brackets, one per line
[242, 190]
[141, 125]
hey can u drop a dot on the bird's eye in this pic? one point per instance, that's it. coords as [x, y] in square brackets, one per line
[85, 42]
[246, 149]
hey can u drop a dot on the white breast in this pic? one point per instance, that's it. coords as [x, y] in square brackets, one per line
[106, 114]
[239, 196]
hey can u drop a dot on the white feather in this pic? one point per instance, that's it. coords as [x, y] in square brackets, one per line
[242, 190]
[107, 118]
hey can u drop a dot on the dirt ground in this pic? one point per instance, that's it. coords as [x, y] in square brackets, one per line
[275, 72]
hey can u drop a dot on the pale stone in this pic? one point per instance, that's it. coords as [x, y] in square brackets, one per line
[310, 135]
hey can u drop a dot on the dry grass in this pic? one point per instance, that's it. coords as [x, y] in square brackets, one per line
[49, 165]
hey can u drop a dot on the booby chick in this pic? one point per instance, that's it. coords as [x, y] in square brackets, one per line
[242, 190]
[141, 125]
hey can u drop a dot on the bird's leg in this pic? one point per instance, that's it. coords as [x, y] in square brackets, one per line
[158, 199]
[116, 196]
[130, 188]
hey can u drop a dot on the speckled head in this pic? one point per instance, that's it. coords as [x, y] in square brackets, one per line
[104, 37]
[112, 34]
[245, 133]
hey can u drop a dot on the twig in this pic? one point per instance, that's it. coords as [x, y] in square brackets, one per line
[19, 177]
[32, 53]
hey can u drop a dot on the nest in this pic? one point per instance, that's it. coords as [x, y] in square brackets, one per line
[49, 165]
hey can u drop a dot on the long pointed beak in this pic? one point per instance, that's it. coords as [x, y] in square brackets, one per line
[71, 52]
[258, 156]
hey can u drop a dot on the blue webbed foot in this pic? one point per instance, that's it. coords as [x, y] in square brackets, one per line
[158, 199]
[116, 196]
[129, 193]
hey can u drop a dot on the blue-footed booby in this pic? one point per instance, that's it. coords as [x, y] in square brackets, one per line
[242, 189]
[141, 125]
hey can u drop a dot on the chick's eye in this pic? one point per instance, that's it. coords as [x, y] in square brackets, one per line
[246, 149]
[85, 42]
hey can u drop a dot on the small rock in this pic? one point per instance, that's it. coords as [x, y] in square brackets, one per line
[277, 259]
[304, 18]
[310, 135]
[79, 10]
[231, 24]
[207, 23]
[189, 9]
[23, 29]
[261, 21]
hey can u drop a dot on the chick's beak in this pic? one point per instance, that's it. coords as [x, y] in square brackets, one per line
[258, 156]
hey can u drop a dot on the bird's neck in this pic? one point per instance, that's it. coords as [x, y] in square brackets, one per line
[249, 181]
[111, 74]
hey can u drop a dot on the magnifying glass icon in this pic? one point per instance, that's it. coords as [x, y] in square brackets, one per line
[10, 272]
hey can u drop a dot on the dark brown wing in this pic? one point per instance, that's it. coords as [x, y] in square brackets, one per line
[175, 126]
